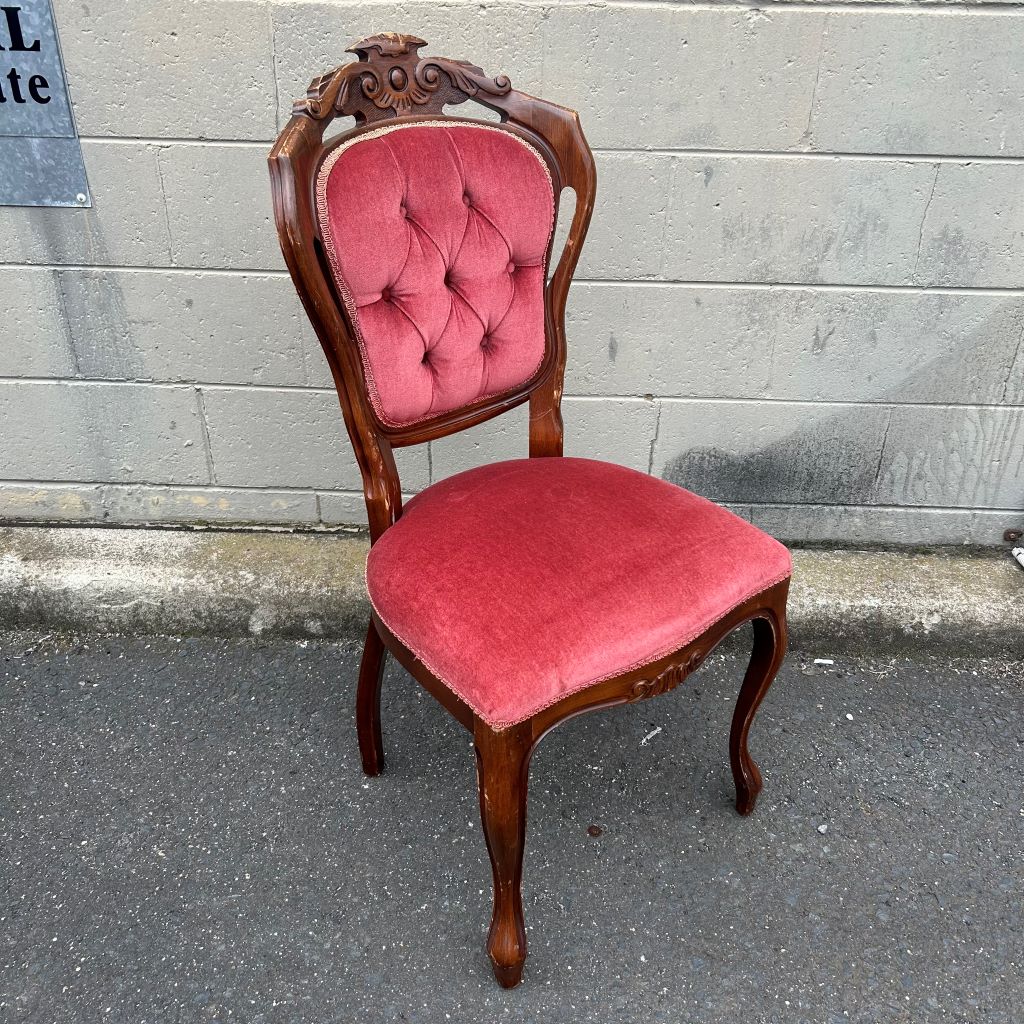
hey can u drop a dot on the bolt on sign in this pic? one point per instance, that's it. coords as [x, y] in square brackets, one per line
[40, 155]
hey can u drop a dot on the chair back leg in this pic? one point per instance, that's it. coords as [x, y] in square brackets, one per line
[503, 765]
[371, 674]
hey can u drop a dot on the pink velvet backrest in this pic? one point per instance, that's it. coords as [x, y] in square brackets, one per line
[436, 233]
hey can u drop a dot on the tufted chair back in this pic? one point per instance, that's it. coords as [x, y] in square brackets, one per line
[420, 245]
[437, 233]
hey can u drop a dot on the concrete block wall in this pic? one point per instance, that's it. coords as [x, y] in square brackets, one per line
[803, 293]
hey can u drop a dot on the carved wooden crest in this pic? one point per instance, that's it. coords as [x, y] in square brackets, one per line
[390, 79]
[667, 680]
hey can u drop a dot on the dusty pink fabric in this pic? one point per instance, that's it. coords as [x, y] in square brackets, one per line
[521, 582]
[437, 236]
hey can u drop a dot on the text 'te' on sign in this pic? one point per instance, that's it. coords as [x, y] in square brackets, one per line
[40, 155]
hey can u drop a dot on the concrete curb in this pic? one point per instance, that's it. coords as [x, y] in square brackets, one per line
[311, 585]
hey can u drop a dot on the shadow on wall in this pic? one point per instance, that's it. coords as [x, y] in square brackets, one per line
[929, 453]
[809, 465]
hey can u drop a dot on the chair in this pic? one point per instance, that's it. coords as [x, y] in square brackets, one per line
[526, 592]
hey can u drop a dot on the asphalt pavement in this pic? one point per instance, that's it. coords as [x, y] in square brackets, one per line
[185, 835]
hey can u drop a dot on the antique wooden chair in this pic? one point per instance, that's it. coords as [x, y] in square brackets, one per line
[522, 593]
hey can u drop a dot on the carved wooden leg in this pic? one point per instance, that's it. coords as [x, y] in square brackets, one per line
[371, 673]
[503, 764]
[765, 659]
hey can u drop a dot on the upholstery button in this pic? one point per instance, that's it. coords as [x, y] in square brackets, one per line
[385, 295]
[403, 211]
[465, 198]
[447, 279]
[510, 269]
[426, 356]
[485, 342]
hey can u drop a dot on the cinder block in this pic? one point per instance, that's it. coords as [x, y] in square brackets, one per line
[662, 76]
[957, 457]
[794, 343]
[126, 224]
[657, 339]
[33, 336]
[169, 68]
[619, 431]
[310, 38]
[266, 437]
[973, 231]
[606, 429]
[920, 84]
[771, 452]
[504, 437]
[345, 508]
[100, 432]
[858, 524]
[207, 327]
[342, 508]
[894, 346]
[218, 206]
[795, 220]
[50, 503]
[625, 238]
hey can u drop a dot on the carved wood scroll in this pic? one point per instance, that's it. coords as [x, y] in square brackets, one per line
[390, 79]
[667, 680]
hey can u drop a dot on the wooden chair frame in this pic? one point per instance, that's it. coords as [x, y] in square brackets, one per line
[391, 81]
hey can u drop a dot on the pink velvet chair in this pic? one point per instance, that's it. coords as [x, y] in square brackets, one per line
[525, 592]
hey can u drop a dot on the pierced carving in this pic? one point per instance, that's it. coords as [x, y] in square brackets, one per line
[667, 680]
[390, 79]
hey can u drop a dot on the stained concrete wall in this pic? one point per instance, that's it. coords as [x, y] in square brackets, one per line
[803, 292]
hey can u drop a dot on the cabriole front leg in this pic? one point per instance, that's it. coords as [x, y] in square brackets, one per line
[765, 659]
[503, 764]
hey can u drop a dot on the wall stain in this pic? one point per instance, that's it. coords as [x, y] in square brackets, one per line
[817, 464]
[958, 458]
[820, 340]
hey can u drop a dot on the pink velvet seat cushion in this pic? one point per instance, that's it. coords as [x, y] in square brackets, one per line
[521, 582]
[437, 233]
